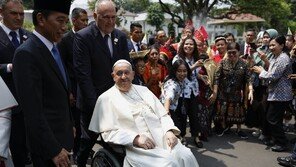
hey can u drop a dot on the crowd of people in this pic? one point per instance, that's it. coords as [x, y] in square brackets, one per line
[62, 89]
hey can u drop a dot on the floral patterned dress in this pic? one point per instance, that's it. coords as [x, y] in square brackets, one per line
[231, 80]
[204, 107]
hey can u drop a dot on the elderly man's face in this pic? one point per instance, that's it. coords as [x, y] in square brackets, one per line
[105, 17]
[13, 15]
[123, 76]
[161, 37]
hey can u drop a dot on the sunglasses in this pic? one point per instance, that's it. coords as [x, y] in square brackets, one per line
[231, 52]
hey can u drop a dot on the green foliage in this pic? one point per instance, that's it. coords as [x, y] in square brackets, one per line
[28, 26]
[275, 12]
[135, 6]
[292, 25]
[189, 9]
[155, 16]
[171, 30]
[91, 4]
[28, 4]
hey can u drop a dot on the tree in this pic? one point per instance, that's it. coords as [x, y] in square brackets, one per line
[292, 19]
[92, 3]
[155, 16]
[28, 25]
[28, 4]
[189, 9]
[134, 6]
[277, 13]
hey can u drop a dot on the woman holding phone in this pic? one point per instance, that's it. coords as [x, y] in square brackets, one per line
[279, 92]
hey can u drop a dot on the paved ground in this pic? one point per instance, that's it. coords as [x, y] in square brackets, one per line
[231, 151]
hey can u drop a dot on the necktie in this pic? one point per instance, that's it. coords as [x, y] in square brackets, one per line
[14, 39]
[106, 38]
[58, 60]
[138, 47]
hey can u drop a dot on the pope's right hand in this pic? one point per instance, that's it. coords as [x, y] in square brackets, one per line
[143, 141]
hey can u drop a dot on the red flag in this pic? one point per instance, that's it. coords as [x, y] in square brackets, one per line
[204, 33]
[199, 36]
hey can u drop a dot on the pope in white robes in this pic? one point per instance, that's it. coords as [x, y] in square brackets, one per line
[7, 101]
[130, 115]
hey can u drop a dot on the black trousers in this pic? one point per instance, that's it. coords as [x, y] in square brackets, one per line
[179, 118]
[76, 115]
[40, 162]
[273, 124]
[87, 141]
[191, 106]
[17, 141]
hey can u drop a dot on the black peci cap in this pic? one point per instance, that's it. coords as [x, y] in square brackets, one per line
[62, 6]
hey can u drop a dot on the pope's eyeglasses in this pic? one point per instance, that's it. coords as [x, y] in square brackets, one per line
[120, 73]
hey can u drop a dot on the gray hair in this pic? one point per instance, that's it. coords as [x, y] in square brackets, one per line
[4, 2]
[99, 2]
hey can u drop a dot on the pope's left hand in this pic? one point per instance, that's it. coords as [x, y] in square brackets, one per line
[171, 139]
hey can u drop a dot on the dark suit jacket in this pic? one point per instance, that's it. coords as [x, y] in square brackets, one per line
[44, 98]
[93, 64]
[66, 51]
[242, 48]
[6, 55]
[130, 45]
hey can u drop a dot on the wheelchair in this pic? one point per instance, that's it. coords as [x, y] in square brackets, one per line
[110, 155]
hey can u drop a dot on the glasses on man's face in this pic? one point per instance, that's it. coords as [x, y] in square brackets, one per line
[231, 52]
[120, 73]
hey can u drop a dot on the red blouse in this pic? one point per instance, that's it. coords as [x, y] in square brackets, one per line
[153, 76]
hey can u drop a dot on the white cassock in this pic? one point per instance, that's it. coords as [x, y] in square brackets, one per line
[120, 117]
[7, 101]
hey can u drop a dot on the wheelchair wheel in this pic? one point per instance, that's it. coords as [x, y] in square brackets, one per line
[103, 158]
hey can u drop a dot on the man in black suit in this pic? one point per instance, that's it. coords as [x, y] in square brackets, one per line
[96, 48]
[42, 86]
[79, 21]
[11, 36]
[246, 47]
[136, 35]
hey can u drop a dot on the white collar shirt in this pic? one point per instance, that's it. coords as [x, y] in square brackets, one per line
[7, 31]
